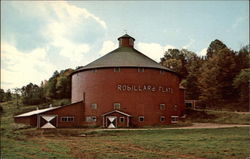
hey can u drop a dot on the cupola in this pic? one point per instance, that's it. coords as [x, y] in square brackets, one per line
[126, 41]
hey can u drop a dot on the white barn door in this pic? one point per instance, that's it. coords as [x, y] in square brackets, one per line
[111, 121]
[47, 121]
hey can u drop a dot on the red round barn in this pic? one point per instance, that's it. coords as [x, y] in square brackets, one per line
[125, 88]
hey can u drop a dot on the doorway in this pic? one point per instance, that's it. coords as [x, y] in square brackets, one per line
[111, 121]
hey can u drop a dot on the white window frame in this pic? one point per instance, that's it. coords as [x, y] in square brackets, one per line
[121, 118]
[174, 119]
[90, 119]
[141, 117]
[175, 107]
[162, 117]
[131, 42]
[117, 69]
[67, 119]
[93, 106]
[162, 106]
[120, 41]
[140, 69]
[117, 106]
[94, 118]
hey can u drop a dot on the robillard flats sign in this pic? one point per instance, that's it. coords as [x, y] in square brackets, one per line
[143, 88]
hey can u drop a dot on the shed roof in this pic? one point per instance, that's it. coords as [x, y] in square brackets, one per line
[34, 112]
[117, 111]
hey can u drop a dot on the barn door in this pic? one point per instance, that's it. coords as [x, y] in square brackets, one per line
[111, 121]
[48, 121]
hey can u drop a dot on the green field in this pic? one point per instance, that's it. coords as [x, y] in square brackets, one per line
[18, 143]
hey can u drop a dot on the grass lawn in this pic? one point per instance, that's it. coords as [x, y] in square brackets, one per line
[228, 143]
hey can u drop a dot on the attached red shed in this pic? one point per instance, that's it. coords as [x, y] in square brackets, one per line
[52, 117]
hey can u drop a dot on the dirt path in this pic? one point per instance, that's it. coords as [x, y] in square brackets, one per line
[210, 125]
[194, 126]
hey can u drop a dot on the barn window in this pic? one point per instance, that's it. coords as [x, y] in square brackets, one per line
[117, 105]
[162, 118]
[120, 42]
[175, 107]
[122, 119]
[140, 69]
[162, 72]
[94, 70]
[174, 119]
[91, 119]
[117, 69]
[141, 118]
[94, 106]
[188, 105]
[94, 118]
[67, 119]
[162, 106]
[131, 42]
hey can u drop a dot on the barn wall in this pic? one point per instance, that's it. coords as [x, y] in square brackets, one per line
[101, 87]
[30, 120]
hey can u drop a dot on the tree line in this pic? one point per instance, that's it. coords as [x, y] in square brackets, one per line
[218, 78]
[57, 87]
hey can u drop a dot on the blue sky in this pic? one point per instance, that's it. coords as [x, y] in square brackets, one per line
[38, 38]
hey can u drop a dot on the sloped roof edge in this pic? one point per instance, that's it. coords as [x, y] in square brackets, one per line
[123, 57]
[35, 112]
[116, 111]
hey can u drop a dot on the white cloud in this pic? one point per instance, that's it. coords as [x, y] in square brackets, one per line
[20, 68]
[168, 47]
[238, 21]
[74, 52]
[63, 27]
[189, 44]
[153, 50]
[203, 52]
[74, 13]
[107, 46]
[59, 30]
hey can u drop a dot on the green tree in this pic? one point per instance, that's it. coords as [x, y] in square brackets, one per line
[208, 83]
[2, 94]
[8, 95]
[243, 58]
[192, 89]
[214, 47]
[177, 60]
[227, 67]
[32, 94]
[63, 85]
[17, 94]
[241, 83]
[217, 73]
[59, 85]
